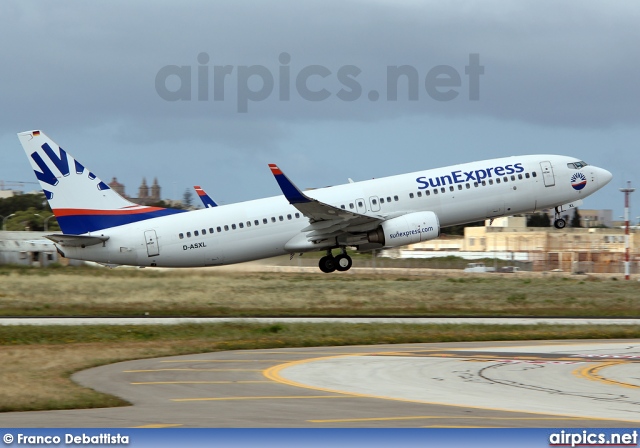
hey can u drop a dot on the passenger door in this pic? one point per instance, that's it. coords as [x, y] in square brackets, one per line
[151, 240]
[547, 174]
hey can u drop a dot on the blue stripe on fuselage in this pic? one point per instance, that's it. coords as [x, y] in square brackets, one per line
[80, 224]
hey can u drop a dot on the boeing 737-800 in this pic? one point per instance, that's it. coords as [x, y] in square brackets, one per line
[100, 225]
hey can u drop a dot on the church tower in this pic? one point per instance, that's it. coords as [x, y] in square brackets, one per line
[155, 190]
[117, 187]
[143, 191]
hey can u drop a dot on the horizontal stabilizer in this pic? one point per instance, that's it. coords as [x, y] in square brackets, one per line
[77, 240]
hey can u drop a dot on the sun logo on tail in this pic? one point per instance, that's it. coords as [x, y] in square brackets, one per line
[578, 181]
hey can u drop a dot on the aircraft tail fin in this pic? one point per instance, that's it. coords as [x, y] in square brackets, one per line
[81, 201]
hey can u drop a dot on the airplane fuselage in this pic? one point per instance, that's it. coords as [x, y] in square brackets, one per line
[268, 227]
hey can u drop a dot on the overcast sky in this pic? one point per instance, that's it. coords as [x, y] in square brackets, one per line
[131, 89]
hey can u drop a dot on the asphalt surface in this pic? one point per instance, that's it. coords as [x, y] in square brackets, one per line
[360, 320]
[507, 384]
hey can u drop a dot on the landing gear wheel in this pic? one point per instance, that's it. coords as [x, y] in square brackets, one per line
[327, 264]
[343, 262]
[560, 223]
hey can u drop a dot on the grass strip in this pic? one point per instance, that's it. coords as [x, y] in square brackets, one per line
[211, 293]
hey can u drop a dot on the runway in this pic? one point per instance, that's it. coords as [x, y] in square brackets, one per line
[43, 321]
[506, 384]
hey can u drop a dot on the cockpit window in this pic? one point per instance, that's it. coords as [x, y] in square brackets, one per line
[577, 165]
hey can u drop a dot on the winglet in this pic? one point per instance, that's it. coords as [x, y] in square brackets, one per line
[205, 198]
[290, 191]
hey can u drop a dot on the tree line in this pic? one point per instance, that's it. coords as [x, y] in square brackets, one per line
[29, 213]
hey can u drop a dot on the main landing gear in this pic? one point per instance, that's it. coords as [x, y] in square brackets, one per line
[341, 262]
[559, 223]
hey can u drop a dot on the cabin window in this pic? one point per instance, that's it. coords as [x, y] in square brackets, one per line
[513, 177]
[451, 188]
[256, 222]
[520, 176]
[343, 207]
[411, 195]
[233, 226]
[395, 198]
[498, 180]
[459, 187]
[226, 228]
[484, 183]
[248, 223]
[241, 225]
[195, 233]
[419, 194]
[181, 235]
[526, 175]
[280, 218]
[490, 181]
[388, 198]
[442, 189]
[219, 229]
[534, 174]
[289, 217]
[374, 201]
[210, 229]
[505, 178]
[360, 204]
[427, 193]
[204, 231]
[475, 184]
[264, 220]
[351, 205]
[273, 219]
[435, 191]
[297, 215]
[382, 200]
[468, 186]
[188, 234]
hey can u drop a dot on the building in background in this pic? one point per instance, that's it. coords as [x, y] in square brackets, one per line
[30, 249]
[596, 218]
[586, 249]
[146, 195]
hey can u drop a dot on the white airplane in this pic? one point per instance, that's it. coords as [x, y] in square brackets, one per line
[99, 225]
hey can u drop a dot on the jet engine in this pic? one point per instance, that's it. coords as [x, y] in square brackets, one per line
[406, 229]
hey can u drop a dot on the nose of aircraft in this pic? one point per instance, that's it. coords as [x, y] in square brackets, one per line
[604, 176]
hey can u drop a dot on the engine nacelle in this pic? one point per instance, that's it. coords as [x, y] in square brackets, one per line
[406, 229]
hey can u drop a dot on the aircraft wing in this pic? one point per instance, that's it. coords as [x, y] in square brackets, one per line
[326, 221]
